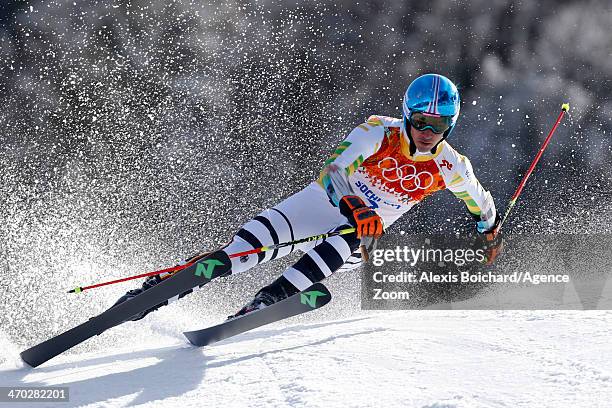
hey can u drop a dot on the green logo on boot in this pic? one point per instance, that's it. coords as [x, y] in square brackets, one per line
[207, 270]
[310, 298]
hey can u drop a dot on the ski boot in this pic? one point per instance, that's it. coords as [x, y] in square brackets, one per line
[147, 284]
[152, 281]
[278, 290]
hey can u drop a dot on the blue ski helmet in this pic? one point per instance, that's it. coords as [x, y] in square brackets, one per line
[434, 95]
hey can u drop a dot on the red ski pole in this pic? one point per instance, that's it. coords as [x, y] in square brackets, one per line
[564, 108]
[142, 275]
[175, 269]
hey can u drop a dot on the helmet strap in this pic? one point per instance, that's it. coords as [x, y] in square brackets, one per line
[433, 149]
[412, 146]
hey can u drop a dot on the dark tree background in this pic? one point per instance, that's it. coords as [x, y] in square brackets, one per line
[136, 132]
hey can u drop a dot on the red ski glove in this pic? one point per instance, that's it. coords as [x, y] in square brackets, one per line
[366, 221]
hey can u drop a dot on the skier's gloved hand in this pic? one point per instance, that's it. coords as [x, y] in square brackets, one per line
[368, 224]
[366, 221]
[492, 242]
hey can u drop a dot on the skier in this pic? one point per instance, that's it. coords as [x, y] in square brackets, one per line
[380, 171]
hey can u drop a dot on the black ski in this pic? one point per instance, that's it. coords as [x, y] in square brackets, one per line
[314, 297]
[210, 267]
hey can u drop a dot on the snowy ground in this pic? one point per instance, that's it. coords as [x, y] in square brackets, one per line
[404, 359]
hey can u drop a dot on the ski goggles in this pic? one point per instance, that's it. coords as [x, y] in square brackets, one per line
[437, 124]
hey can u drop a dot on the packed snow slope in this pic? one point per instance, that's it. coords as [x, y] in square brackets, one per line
[383, 359]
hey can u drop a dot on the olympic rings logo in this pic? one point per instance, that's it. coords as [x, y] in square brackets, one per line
[406, 174]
